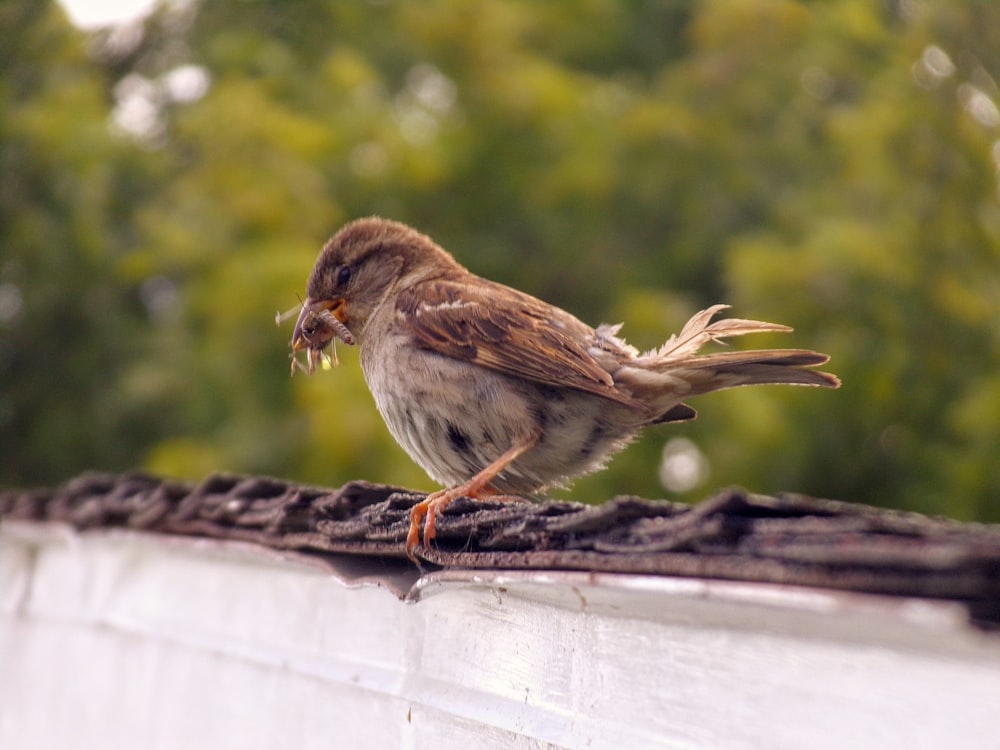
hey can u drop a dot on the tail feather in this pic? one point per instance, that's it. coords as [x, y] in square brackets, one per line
[663, 377]
[699, 331]
[765, 366]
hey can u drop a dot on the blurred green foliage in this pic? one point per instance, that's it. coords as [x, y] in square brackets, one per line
[164, 189]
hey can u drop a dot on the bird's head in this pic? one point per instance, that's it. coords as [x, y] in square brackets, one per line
[365, 263]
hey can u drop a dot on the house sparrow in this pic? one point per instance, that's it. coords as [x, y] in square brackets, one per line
[494, 392]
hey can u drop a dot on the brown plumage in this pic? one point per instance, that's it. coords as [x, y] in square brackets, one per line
[491, 390]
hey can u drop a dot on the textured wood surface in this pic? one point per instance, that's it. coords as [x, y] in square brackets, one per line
[734, 535]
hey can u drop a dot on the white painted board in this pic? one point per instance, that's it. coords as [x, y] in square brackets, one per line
[124, 640]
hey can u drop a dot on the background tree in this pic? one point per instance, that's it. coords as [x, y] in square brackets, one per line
[831, 165]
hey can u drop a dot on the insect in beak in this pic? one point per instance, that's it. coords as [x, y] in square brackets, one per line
[319, 324]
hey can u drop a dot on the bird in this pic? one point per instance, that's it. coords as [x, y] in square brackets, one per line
[495, 393]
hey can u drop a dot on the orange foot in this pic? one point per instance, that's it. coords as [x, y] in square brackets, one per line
[474, 488]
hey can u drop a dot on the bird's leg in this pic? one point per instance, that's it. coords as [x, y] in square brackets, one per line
[473, 488]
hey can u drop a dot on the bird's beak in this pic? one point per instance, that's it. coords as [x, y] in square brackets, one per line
[335, 306]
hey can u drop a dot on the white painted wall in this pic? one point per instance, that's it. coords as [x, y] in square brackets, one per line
[123, 640]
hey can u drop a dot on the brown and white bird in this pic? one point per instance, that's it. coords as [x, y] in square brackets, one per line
[494, 392]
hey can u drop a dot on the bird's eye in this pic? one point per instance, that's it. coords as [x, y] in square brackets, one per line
[343, 276]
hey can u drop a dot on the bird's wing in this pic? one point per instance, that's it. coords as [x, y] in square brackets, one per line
[505, 330]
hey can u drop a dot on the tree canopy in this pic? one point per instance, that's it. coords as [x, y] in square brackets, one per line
[165, 187]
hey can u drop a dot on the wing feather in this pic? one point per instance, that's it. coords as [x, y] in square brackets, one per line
[507, 331]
